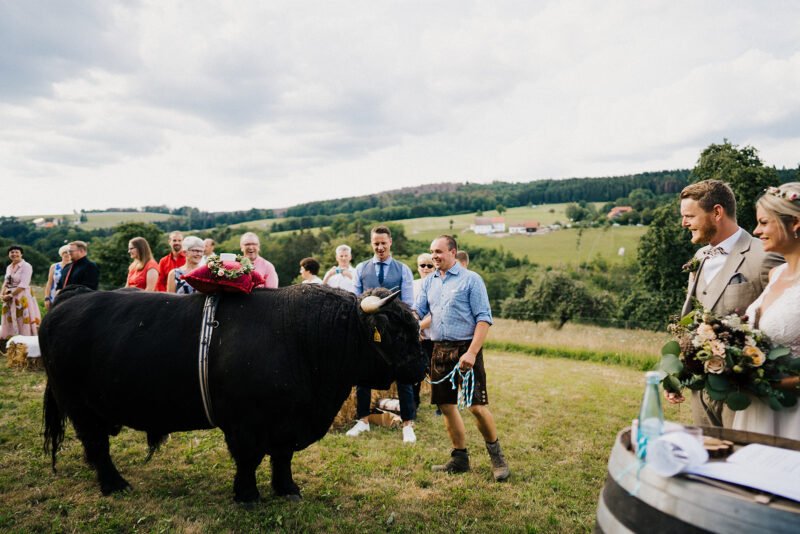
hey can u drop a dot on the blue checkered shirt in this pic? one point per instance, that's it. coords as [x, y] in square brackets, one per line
[457, 303]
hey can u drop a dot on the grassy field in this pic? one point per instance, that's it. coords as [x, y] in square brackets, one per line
[109, 219]
[643, 344]
[557, 421]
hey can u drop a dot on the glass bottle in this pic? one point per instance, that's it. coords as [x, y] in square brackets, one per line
[651, 415]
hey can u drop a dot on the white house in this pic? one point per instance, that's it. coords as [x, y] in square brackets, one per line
[489, 225]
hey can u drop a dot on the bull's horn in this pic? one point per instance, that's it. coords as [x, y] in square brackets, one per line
[372, 304]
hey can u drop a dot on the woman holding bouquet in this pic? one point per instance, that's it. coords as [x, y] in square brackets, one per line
[777, 311]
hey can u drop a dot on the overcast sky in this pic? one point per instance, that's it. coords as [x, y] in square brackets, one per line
[229, 105]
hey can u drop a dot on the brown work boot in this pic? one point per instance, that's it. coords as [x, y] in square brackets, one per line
[458, 463]
[499, 466]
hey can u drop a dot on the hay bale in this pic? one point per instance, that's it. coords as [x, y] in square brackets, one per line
[347, 413]
[17, 355]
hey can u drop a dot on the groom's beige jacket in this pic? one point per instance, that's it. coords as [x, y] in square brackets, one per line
[743, 277]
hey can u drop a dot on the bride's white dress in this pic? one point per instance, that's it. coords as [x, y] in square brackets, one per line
[781, 322]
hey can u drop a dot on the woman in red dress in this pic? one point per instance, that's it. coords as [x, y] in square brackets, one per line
[143, 271]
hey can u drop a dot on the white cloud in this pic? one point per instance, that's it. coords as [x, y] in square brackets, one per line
[235, 105]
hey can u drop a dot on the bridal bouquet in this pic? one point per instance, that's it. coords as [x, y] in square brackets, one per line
[727, 358]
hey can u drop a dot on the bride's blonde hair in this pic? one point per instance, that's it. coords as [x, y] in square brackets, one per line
[783, 203]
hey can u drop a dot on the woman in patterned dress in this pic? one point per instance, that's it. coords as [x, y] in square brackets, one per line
[54, 276]
[20, 313]
[194, 248]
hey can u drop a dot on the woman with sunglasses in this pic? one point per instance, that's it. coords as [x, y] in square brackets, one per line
[425, 268]
[194, 248]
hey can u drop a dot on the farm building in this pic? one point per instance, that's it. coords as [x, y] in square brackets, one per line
[617, 211]
[527, 227]
[489, 225]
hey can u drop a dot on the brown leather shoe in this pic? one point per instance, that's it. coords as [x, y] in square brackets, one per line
[458, 463]
[500, 468]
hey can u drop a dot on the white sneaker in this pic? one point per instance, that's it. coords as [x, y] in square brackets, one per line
[408, 434]
[358, 428]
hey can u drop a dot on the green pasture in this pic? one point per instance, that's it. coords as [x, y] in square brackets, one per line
[545, 214]
[564, 246]
[113, 218]
[557, 420]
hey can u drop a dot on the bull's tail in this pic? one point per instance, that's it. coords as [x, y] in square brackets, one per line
[55, 421]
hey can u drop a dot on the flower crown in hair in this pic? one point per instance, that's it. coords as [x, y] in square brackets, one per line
[786, 195]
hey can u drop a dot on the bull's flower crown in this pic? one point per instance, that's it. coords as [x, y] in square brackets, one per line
[791, 196]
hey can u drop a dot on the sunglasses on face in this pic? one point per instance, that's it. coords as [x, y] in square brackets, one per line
[426, 266]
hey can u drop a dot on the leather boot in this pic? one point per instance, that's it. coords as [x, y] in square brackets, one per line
[499, 466]
[458, 463]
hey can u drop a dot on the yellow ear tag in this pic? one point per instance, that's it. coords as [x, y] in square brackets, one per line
[376, 336]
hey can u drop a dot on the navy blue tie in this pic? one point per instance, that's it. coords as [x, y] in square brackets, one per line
[380, 272]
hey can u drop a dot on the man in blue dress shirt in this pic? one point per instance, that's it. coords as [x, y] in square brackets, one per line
[458, 304]
[383, 271]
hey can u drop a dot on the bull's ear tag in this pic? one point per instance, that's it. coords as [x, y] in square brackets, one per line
[376, 336]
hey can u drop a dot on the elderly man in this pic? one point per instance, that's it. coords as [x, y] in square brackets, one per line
[458, 304]
[208, 249]
[175, 259]
[81, 271]
[251, 247]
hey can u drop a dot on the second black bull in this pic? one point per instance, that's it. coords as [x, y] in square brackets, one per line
[280, 365]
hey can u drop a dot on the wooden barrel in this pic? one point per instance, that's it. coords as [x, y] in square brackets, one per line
[636, 500]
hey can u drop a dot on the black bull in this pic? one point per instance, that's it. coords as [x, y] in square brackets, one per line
[281, 363]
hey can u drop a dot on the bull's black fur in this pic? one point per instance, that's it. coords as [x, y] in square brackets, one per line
[281, 364]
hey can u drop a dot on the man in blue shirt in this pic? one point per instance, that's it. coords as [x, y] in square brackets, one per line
[383, 271]
[458, 304]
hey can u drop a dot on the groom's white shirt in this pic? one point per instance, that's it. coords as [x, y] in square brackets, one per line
[714, 265]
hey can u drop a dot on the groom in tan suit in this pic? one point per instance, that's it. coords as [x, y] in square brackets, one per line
[732, 271]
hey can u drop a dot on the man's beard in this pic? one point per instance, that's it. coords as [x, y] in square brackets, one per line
[705, 234]
[176, 248]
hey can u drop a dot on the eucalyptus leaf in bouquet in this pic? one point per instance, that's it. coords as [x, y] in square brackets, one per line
[729, 359]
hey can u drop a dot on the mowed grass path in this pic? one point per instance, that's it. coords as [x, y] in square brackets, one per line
[557, 421]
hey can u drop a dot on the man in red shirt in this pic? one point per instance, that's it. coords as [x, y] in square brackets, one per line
[173, 260]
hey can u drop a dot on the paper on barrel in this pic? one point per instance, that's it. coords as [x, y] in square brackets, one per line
[769, 469]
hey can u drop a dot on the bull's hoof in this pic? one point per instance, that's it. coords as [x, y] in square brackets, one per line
[247, 498]
[114, 486]
[294, 497]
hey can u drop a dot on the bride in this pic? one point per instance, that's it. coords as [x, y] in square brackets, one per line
[777, 311]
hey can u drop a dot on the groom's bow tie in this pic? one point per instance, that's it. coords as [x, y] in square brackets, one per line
[714, 252]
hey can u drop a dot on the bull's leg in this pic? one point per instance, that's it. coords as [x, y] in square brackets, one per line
[282, 481]
[96, 450]
[248, 456]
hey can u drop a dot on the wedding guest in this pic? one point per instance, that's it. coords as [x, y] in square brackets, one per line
[424, 268]
[384, 271]
[81, 271]
[208, 249]
[173, 260]
[54, 276]
[309, 269]
[732, 270]
[458, 304]
[463, 258]
[343, 275]
[251, 247]
[777, 311]
[143, 270]
[193, 248]
[20, 313]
